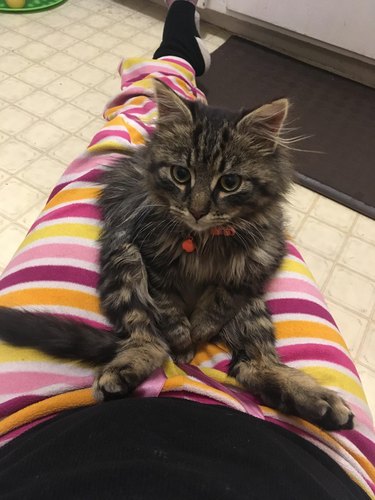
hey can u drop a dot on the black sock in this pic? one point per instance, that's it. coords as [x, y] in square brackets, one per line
[179, 36]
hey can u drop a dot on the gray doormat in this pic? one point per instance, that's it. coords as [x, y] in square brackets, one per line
[337, 113]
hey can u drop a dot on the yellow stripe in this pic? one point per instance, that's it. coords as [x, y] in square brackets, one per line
[309, 329]
[331, 377]
[67, 401]
[51, 296]
[289, 265]
[87, 231]
[76, 194]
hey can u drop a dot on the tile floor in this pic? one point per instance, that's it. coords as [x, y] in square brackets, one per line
[58, 69]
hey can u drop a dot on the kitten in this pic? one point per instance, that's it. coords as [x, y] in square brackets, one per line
[193, 229]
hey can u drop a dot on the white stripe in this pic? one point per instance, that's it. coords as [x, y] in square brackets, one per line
[282, 317]
[48, 390]
[71, 369]
[62, 285]
[210, 363]
[318, 363]
[52, 261]
[69, 311]
[295, 295]
[89, 221]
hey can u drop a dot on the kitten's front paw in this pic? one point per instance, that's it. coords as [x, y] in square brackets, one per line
[111, 383]
[325, 408]
[183, 357]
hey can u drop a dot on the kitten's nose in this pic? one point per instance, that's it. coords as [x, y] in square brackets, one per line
[198, 213]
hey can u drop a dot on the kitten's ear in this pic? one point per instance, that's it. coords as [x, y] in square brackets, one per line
[266, 121]
[170, 106]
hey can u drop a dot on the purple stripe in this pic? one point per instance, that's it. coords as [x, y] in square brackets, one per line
[292, 250]
[69, 274]
[17, 403]
[315, 352]
[298, 306]
[362, 443]
[91, 176]
[84, 210]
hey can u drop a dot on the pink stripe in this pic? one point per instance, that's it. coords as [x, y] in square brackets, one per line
[84, 210]
[179, 61]
[295, 285]
[292, 250]
[16, 382]
[131, 76]
[106, 133]
[192, 397]
[316, 352]
[57, 250]
[24, 428]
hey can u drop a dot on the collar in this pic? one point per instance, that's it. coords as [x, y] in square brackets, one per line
[189, 245]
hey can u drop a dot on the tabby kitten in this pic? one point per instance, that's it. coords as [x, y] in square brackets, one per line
[193, 229]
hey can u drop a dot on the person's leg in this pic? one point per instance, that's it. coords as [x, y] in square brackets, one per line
[181, 37]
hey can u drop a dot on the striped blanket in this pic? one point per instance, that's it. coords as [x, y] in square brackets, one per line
[56, 270]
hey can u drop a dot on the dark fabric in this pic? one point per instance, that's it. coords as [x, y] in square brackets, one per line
[179, 36]
[167, 449]
[336, 112]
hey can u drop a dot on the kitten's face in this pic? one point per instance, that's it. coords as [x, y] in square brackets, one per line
[212, 168]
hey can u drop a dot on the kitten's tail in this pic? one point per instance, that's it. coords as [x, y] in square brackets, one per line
[56, 336]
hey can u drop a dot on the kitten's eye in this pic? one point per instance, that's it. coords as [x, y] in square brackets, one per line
[230, 182]
[180, 174]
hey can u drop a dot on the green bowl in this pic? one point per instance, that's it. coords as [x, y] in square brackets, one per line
[31, 5]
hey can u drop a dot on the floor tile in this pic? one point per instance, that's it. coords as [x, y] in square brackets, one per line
[55, 20]
[65, 88]
[43, 135]
[3, 137]
[366, 354]
[12, 40]
[91, 101]
[97, 21]
[352, 326]
[74, 12]
[78, 31]
[88, 75]
[70, 118]
[83, 51]
[333, 213]
[16, 197]
[12, 63]
[13, 120]
[43, 173]
[122, 30]
[140, 21]
[35, 51]
[62, 63]
[107, 62]
[321, 238]
[69, 149]
[28, 218]
[89, 130]
[103, 41]
[127, 49]
[34, 30]
[319, 266]
[301, 198]
[365, 228]
[15, 155]
[359, 256]
[349, 289]
[11, 21]
[10, 239]
[12, 89]
[368, 380]
[58, 40]
[40, 103]
[293, 219]
[146, 41]
[38, 75]
[110, 87]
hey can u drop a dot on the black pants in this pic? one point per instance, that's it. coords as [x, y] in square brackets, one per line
[167, 449]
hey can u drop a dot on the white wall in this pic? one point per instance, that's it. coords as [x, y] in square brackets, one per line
[349, 24]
